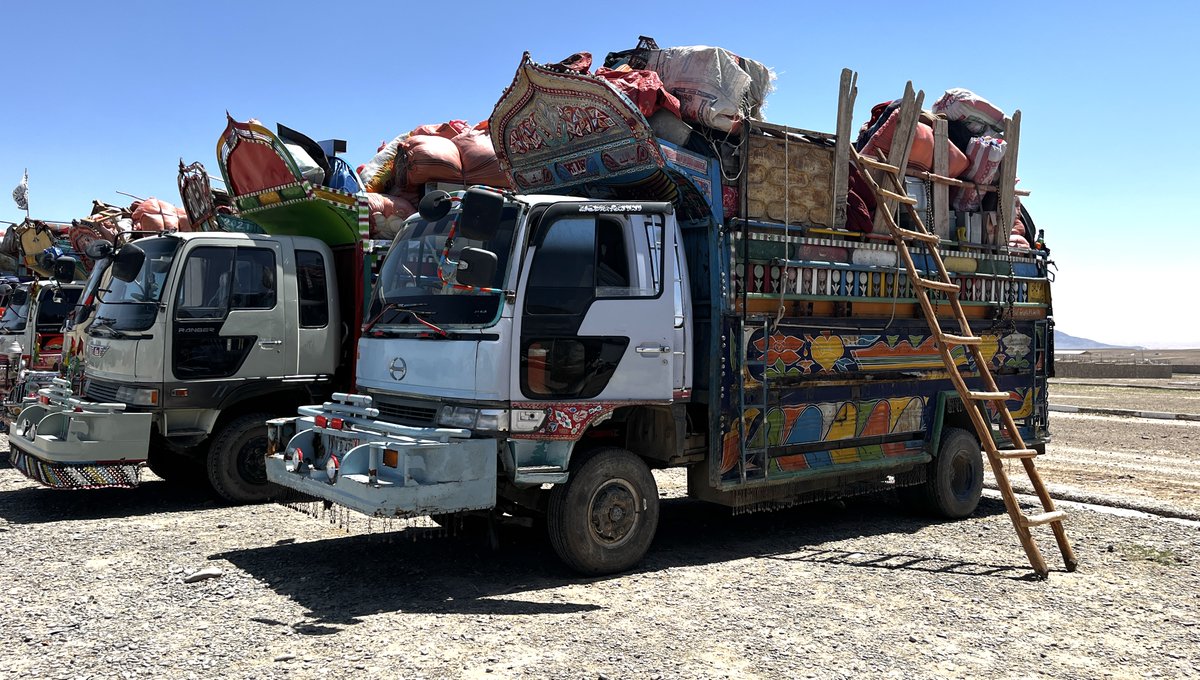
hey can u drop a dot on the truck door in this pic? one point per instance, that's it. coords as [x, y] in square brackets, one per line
[228, 320]
[597, 312]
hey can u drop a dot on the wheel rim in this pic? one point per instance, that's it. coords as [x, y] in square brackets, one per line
[962, 476]
[613, 513]
[251, 460]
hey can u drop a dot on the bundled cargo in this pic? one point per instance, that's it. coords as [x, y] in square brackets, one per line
[715, 87]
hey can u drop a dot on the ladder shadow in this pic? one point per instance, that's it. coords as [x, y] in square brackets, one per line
[906, 562]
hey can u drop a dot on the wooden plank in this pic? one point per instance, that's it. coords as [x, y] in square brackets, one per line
[847, 93]
[902, 138]
[941, 166]
[784, 129]
[1008, 173]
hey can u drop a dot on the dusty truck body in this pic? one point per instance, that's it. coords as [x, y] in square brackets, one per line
[199, 338]
[31, 329]
[542, 351]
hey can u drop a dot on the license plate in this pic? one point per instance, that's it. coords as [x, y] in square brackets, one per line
[338, 446]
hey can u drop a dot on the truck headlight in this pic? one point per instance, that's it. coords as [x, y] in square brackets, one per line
[137, 396]
[485, 420]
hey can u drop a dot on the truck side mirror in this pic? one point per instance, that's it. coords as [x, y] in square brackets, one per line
[434, 206]
[476, 267]
[481, 212]
[5, 289]
[64, 269]
[98, 250]
[128, 262]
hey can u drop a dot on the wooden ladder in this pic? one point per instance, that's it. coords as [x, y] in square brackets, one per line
[892, 174]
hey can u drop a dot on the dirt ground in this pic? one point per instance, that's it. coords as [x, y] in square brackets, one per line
[95, 586]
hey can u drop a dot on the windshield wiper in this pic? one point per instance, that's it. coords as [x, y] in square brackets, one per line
[411, 309]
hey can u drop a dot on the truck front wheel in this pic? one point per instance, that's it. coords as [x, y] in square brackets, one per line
[237, 460]
[603, 519]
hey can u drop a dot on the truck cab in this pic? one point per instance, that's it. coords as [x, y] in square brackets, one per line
[31, 328]
[197, 339]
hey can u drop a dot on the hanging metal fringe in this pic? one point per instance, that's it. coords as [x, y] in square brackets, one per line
[390, 528]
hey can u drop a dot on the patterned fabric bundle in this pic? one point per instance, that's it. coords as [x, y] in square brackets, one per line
[985, 154]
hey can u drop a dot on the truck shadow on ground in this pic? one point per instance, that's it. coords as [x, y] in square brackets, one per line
[38, 505]
[341, 580]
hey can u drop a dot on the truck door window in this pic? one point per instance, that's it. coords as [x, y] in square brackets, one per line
[204, 286]
[314, 295]
[581, 259]
[253, 279]
[216, 279]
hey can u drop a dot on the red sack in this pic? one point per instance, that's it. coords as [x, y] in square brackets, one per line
[921, 156]
[479, 162]
[155, 215]
[381, 203]
[449, 130]
[644, 88]
[428, 158]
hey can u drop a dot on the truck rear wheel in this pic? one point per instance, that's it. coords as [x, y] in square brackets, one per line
[603, 519]
[954, 481]
[237, 460]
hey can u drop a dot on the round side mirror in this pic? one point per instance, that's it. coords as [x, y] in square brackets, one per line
[435, 205]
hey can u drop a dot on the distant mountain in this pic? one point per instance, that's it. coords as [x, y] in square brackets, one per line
[1065, 341]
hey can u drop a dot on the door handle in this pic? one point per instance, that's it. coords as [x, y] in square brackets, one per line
[652, 350]
[269, 344]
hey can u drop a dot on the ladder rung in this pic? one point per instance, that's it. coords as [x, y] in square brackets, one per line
[988, 396]
[943, 286]
[950, 339]
[878, 165]
[1044, 518]
[1010, 454]
[918, 236]
[902, 198]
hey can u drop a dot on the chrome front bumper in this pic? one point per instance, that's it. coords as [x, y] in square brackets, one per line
[342, 453]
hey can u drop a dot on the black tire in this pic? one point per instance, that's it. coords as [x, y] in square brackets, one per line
[954, 479]
[603, 519]
[237, 460]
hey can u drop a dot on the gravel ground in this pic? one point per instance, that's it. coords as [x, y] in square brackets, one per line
[96, 587]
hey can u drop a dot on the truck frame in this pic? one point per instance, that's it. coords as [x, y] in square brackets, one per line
[540, 351]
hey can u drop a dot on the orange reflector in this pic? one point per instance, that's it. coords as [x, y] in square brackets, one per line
[391, 458]
[179, 392]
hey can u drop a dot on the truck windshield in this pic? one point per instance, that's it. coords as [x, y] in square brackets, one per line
[409, 278]
[16, 313]
[133, 306]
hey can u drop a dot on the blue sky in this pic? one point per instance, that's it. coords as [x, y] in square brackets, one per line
[106, 97]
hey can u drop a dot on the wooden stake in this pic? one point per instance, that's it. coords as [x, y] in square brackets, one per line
[1008, 174]
[847, 92]
[941, 166]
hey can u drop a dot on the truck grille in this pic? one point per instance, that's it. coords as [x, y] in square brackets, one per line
[403, 412]
[101, 390]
